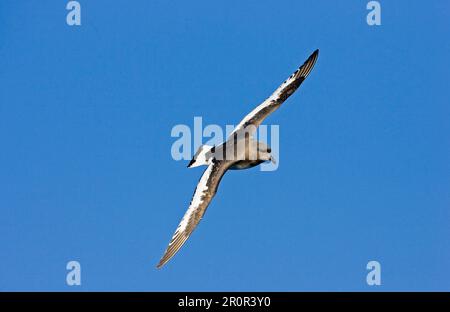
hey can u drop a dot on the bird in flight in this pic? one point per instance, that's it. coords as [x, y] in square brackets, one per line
[240, 151]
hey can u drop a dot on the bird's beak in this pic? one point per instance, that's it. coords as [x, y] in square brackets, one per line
[273, 160]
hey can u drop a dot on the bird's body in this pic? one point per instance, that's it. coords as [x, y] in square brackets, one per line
[246, 164]
[239, 151]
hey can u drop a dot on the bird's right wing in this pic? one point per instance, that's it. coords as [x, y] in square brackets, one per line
[205, 191]
[280, 95]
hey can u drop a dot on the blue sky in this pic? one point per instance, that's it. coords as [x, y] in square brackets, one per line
[86, 171]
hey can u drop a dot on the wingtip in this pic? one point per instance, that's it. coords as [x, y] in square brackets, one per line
[315, 53]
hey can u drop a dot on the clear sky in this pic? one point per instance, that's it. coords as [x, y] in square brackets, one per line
[86, 171]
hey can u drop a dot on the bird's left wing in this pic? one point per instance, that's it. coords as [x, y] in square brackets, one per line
[280, 95]
[205, 191]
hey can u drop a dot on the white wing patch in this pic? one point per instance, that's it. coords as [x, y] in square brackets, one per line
[286, 89]
[205, 191]
[202, 189]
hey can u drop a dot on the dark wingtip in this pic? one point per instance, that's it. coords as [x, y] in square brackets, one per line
[161, 263]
